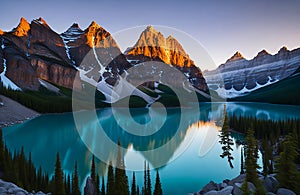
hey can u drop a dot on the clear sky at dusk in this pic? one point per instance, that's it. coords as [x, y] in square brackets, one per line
[222, 27]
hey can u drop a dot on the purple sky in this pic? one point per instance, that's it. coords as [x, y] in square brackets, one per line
[222, 27]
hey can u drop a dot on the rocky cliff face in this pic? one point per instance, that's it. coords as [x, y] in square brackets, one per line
[34, 51]
[95, 49]
[239, 76]
[153, 46]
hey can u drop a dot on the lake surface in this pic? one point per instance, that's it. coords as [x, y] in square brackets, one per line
[185, 149]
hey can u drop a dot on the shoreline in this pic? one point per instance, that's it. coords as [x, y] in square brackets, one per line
[12, 112]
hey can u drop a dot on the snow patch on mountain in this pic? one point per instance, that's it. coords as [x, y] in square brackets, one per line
[240, 77]
[7, 83]
[2, 44]
[49, 86]
[66, 40]
[232, 93]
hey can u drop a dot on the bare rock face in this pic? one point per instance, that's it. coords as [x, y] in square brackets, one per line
[153, 46]
[22, 29]
[33, 51]
[54, 73]
[18, 67]
[95, 48]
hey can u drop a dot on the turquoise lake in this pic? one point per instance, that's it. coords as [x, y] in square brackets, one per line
[190, 158]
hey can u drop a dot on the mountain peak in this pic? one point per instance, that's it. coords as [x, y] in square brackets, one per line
[22, 28]
[94, 24]
[262, 53]
[75, 25]
[150, 29]
[283, 49]
[154, 45]
[41, 21]
[236, 56]
[73, 30]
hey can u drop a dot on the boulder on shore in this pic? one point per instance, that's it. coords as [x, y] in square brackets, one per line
[238, 191]
[11, 188]
[90, 188]
[209, 187]
[284, 191]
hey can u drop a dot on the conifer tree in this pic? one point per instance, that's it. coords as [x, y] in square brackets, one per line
[267, 157]
[242, 162]
[93, 170]
[157, 189]
[103, 187]
[110, 180]
[286, 168]
[133, 185]
[149, 188]
[65, 183]
[98, 184]
[75, 181]
[121, 180]
[59, 177]
[145, 179]
[226, 141]
[251, 154]
[68, 186]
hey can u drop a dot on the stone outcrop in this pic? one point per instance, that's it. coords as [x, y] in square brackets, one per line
[90, 188]
[234, 186]
[10, 188]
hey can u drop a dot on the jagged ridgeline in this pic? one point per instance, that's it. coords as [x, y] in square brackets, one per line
[34, 58]
[265, 78]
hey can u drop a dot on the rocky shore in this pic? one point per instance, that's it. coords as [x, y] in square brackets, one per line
[233, 186]
[12, 112]
[10, 188]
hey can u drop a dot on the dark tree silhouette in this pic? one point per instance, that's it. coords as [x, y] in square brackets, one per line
[59, 177]
[133, 185]
[103, 187]
[121, 180]
[286, 168]
[75, 181]
[149, 188]
[242, 161]
[110, 180]
[145, 179]
[157, 188]
[226, 141]
[251, 154]
[93, 170]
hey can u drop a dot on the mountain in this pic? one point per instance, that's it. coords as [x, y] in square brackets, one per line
[241, 77]
[284, 91]
[42, 64]
[153, 46]
[34, 52]
[98, 47]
